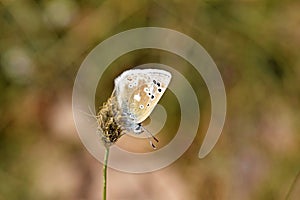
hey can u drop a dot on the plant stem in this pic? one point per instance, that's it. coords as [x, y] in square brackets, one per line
[105, 173]
[292, 186]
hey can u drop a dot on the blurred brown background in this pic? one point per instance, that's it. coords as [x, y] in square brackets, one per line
[255, 44]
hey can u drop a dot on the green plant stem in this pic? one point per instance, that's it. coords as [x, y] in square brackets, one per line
[105, 173]
[292, 186]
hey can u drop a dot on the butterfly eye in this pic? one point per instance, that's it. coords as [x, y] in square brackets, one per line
[146, 89]
[141, 106]
[130, 85]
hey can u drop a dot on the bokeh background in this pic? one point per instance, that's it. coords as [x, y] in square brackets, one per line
[255, 44]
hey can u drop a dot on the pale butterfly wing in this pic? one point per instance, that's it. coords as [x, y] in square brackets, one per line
[139, 90]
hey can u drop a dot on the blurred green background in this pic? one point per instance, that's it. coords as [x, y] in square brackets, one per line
[255, 44]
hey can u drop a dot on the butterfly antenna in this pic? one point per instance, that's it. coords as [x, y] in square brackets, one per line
[151, 136]
[153, 146]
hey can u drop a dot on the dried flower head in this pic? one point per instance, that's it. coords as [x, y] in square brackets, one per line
[109, 126]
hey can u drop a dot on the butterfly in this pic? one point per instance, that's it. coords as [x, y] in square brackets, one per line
[136, 93]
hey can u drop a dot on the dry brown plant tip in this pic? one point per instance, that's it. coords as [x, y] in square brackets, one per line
[109, 128]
